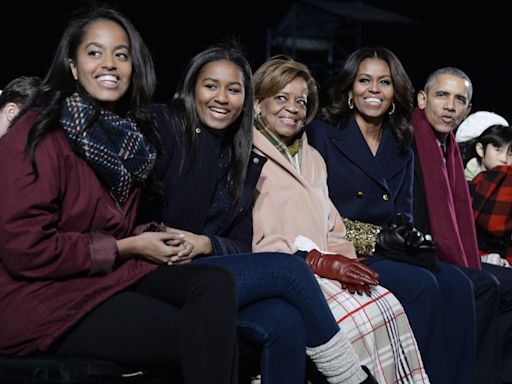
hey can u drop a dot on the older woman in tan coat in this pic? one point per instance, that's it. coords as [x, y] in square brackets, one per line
[293, 214]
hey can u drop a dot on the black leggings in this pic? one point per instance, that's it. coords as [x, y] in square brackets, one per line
[176, 314]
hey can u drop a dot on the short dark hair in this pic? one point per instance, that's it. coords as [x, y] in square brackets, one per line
[453, 71]
[275, 73]
[19, 90]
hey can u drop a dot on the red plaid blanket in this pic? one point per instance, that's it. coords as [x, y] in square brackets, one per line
[492, 209]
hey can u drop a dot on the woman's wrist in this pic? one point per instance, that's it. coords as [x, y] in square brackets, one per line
[206, 245]
[126, 247]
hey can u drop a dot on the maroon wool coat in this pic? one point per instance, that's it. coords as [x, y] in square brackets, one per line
[57, 241]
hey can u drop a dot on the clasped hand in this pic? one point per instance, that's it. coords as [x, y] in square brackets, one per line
[156, 242]
[163, 244]
[169, 247]
[351, 273]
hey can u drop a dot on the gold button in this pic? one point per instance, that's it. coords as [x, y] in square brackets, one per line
[385, 197]
[198, 130]
[359, 195]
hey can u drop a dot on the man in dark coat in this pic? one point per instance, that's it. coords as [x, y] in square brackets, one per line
[442, 207]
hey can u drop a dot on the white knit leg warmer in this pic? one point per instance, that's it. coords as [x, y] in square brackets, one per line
[337, 361]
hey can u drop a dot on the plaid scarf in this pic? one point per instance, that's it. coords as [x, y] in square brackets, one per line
[113, 147]
[492, 209]
[292, 153]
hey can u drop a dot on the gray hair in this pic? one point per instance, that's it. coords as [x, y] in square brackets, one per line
[449, 71]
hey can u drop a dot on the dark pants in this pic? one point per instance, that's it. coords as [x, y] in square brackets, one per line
[487, 359]
[441, 310]
[504, 277]
[177, 314]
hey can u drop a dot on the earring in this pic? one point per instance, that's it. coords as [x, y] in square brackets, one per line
[392, 109]
[350, 102]
[257, 118]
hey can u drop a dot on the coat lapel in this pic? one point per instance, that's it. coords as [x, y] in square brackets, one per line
[387, 162]
[266, 148]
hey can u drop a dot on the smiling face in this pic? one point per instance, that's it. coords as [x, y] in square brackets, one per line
[219, 94]
[372, 91]
[446, 104]
[286, 111]
[103, 64]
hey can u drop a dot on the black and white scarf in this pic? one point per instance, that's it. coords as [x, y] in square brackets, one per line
[113, 146]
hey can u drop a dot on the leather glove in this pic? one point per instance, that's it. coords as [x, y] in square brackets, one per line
[404, 237]
[352, 275]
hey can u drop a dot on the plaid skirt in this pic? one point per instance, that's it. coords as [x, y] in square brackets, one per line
[380, 332]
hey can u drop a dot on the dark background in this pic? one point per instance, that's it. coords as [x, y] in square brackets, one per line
[477, 39]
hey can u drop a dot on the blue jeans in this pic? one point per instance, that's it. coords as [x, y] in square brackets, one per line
[276, 325]
[281, 307]
[440, 306]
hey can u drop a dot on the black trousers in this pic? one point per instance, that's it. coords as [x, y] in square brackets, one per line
[488, 363]
[176, 314]
[504, 276]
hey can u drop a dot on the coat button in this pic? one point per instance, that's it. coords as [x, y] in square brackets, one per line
[385, 197]
[255, 160]
[359, 195]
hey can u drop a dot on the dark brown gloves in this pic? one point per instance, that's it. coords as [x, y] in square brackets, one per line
[352, 275]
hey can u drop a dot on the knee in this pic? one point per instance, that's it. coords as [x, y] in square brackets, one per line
[220, 280]
[408, 282]
[422, 286]
[490, 284]
[458, 281]
[290, 265]
[486, 287]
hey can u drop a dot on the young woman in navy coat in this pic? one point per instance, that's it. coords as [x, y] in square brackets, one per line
[364, 137]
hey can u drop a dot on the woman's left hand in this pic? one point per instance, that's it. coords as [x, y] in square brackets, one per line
[201, 245]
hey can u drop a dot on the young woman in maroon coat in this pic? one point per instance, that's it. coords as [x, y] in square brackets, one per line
[76, 277]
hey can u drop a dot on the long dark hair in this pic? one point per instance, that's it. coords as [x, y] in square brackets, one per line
[59, 82]
[238, 137]
[338, 113]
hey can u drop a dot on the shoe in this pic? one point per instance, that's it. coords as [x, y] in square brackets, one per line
[370, 379]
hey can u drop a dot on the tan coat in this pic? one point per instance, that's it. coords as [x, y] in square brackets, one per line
[289, 204]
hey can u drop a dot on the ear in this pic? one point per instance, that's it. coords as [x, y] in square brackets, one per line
[480, 150]
[422, 99]
[350, 94]
[10, 111]
[469, 110]
[257, 106]
[74, 69]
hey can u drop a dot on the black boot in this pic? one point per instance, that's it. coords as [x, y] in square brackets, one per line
[370, 379]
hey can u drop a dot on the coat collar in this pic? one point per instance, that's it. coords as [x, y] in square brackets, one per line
[264, 147]
[352, 144]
